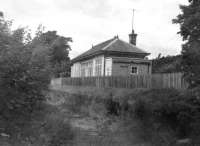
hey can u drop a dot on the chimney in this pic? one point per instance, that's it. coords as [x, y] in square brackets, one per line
[132, 35]
[132, 38]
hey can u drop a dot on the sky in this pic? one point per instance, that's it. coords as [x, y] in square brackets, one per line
[90, 22]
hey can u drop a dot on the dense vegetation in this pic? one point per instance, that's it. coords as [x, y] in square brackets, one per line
[25, 75]
[169, 111]
[57, 49]
[168, 64]
[189, 21]
[163, 116]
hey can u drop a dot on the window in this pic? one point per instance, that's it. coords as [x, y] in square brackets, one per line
[108, 66]
[134, 70]
[83, 70]
[108, 72]
[98, 66]
[90, 63]
[86, 69]
[76, 70]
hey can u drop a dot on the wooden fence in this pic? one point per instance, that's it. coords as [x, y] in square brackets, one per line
[169, 80]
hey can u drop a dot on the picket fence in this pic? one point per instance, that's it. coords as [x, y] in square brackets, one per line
[166, 80]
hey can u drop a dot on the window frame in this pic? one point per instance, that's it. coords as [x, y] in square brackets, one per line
[108, 67]
[98, 66]
[135, 73]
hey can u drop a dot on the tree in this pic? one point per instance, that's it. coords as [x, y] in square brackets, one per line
[24, 76]
[59, 56]
[168, 64]
[60, 49]
[189, 21]
[57, 49]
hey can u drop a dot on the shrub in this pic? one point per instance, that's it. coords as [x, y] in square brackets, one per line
[23, 76]
[113, 107]
[23, 79]
[170, 108]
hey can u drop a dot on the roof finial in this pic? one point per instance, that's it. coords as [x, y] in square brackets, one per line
[133, 19]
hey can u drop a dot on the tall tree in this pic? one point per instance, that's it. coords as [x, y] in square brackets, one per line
[189, 21]
[57, 49]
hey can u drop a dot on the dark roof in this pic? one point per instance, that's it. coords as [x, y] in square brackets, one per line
[112, 45]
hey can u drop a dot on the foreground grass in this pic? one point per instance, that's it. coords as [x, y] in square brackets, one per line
[91, 123]
[163, 116]
[66, 119]
[109, 117]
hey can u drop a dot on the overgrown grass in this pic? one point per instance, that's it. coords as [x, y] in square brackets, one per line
[158, 116]
[164, 115]
[47, 127]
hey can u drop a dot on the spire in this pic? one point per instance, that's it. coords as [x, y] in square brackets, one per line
[133, 19]
[132, 35]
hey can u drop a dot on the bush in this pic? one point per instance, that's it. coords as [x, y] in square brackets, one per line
[113, 107]
[23, 76]
[23, 79]
[169, 108]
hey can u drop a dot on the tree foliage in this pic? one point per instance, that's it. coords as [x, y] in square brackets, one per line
[57, 49]
[189, 21]
[168, 64]
[171, 110]
[23, 75]
[26, 67]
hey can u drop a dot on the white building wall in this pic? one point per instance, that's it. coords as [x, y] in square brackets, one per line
[81, 69]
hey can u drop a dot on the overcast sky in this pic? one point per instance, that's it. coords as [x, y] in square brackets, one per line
[90, 22]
